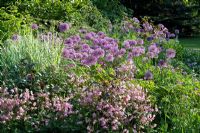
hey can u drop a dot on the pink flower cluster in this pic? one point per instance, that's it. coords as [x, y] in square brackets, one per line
[118, 107]
[25, 105]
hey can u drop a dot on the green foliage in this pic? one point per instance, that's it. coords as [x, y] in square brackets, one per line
[178, 97]
[11, 21]
[112, 9]
[78, 13]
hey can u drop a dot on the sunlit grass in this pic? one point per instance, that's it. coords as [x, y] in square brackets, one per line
[190, 42]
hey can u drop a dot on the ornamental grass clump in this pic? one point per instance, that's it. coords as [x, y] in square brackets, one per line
[42, 53]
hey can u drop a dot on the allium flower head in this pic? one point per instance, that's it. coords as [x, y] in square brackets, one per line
[153, 48]
[34, 26]
[64, 27]
[148, 75]
[147, 26]
[150, 38]
[68, 42]
[137, 51]
[161, 26]
[122, 51]
[132, 42]
[101, 34]
[170, 53]
[89, 61]
[109, 58]
[172, 35]
[151, 54]
[126, 44]
[89, 36]
[15, 37]
[83, 31]
[136, 20]
[162, 63]
[176, 31]
[140, 41]
[85, 46]
[98, 52]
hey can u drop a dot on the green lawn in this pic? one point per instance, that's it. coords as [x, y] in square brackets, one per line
[190, 42]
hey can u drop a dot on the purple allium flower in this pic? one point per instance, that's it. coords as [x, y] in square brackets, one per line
[151, 54]
[98, 52]
[147, 26]
[132, 42]
[122, 51]
[34, 26]
[162, 63]
[96, 41]
[15, 37]
[83, 31]
[101, 34]
[85, 46]
[172, 35]
[170, 53]
[68, 42]
[176, 31]
[140, 41]
[109, 58]
[130, 55]
[114, 50]
[165, 30]
[126, 44]
[78, 55]
[107, 46]
[84, 55]
[148, 75]
[88, 36]
[89, 61]
[150, 38]
[64, 27]
[136, 20]
[76, 38]
[154, 49]
[161, 26]
[137, 51]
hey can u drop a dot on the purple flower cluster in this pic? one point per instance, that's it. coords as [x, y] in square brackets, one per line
[170, 53]
[64, 27]
[98, 48]
[148, 32]
[147, 27]
[15, 37]
[153, 51]
[137, 51]
[162, 63]
[148, 75]
[34, 26]
[136, 20]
